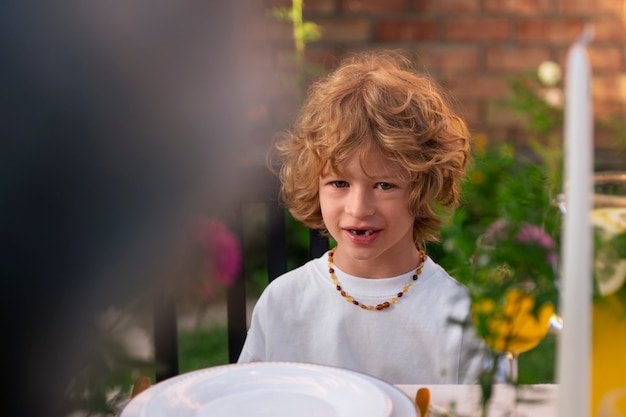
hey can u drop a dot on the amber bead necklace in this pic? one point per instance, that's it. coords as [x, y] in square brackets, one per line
[380, 306]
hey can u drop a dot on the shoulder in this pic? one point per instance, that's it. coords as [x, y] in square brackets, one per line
[294, 290]
[441, 286]
[440, 278]
[298, 279]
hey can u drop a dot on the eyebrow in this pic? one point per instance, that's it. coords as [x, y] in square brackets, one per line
[394, 173]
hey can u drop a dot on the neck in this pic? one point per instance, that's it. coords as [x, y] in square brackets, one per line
[382, 305]
[384, 265]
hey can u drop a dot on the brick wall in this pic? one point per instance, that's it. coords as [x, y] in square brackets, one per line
[469, 46]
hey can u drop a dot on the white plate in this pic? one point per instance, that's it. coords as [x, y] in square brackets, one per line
[264, 389]
[402, 404]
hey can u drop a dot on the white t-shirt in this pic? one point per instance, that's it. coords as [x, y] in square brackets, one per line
[425, 338]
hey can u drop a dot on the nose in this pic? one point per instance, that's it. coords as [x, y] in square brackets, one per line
[360, 203]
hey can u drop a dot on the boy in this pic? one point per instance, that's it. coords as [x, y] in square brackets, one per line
[373, 153]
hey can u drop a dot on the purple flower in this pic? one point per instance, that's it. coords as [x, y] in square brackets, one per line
[533, 233]
[528, 233]
[496, 231]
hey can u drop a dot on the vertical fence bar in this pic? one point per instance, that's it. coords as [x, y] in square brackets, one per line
[165, 336]
[319, 244]
[236, 295]
[276, 240]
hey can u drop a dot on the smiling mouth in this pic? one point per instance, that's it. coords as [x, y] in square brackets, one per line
[361, 232]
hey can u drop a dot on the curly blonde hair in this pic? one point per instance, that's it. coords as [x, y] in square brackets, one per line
[375, 99]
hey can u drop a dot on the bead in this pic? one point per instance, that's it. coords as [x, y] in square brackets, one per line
[385, 304]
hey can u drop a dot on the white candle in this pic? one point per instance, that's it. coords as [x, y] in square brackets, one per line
[574, 352]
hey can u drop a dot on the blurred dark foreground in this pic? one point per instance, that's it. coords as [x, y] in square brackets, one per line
[119, 125]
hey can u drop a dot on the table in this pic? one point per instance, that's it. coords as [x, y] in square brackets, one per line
[464, 400]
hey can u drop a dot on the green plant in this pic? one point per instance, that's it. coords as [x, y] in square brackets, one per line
[303, 32]
[295, 72]
[503, 241]
[516, 191]
[505, 236]
[200, 348]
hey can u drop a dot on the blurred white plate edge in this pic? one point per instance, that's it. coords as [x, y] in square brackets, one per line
[381, 399]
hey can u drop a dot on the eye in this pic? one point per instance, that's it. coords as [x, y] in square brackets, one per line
[384, 186]
[339, 184]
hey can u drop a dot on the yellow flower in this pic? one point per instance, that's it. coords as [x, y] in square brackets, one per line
[514, 327]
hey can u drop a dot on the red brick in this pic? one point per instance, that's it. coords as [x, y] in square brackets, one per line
[614, 7]
[269, 4]
[477, 86]
[499, 115]
[534, 7]
[604, 110]
[467, 29]
[607, 141]
[345, 30]
[549, 30]
[609, 87]
[406, 30]
[468, 45]
[604, 134]
[516, 59]
[470, 112]
[243, 8]
[605, 58]
[500, 135]
[322, 58]
[373, 5]
[445, 57]
[284, 59]
[274, 31]
[609, 30]
[323, 6]
[446, 6]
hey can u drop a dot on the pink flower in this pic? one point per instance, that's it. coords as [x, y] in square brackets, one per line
[533, 233]
[496, 231]
[222, 254]
[528, 233]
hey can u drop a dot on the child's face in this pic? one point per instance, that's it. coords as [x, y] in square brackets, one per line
[367, 213]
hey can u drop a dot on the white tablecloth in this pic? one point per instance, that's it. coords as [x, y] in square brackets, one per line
[464, 400]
